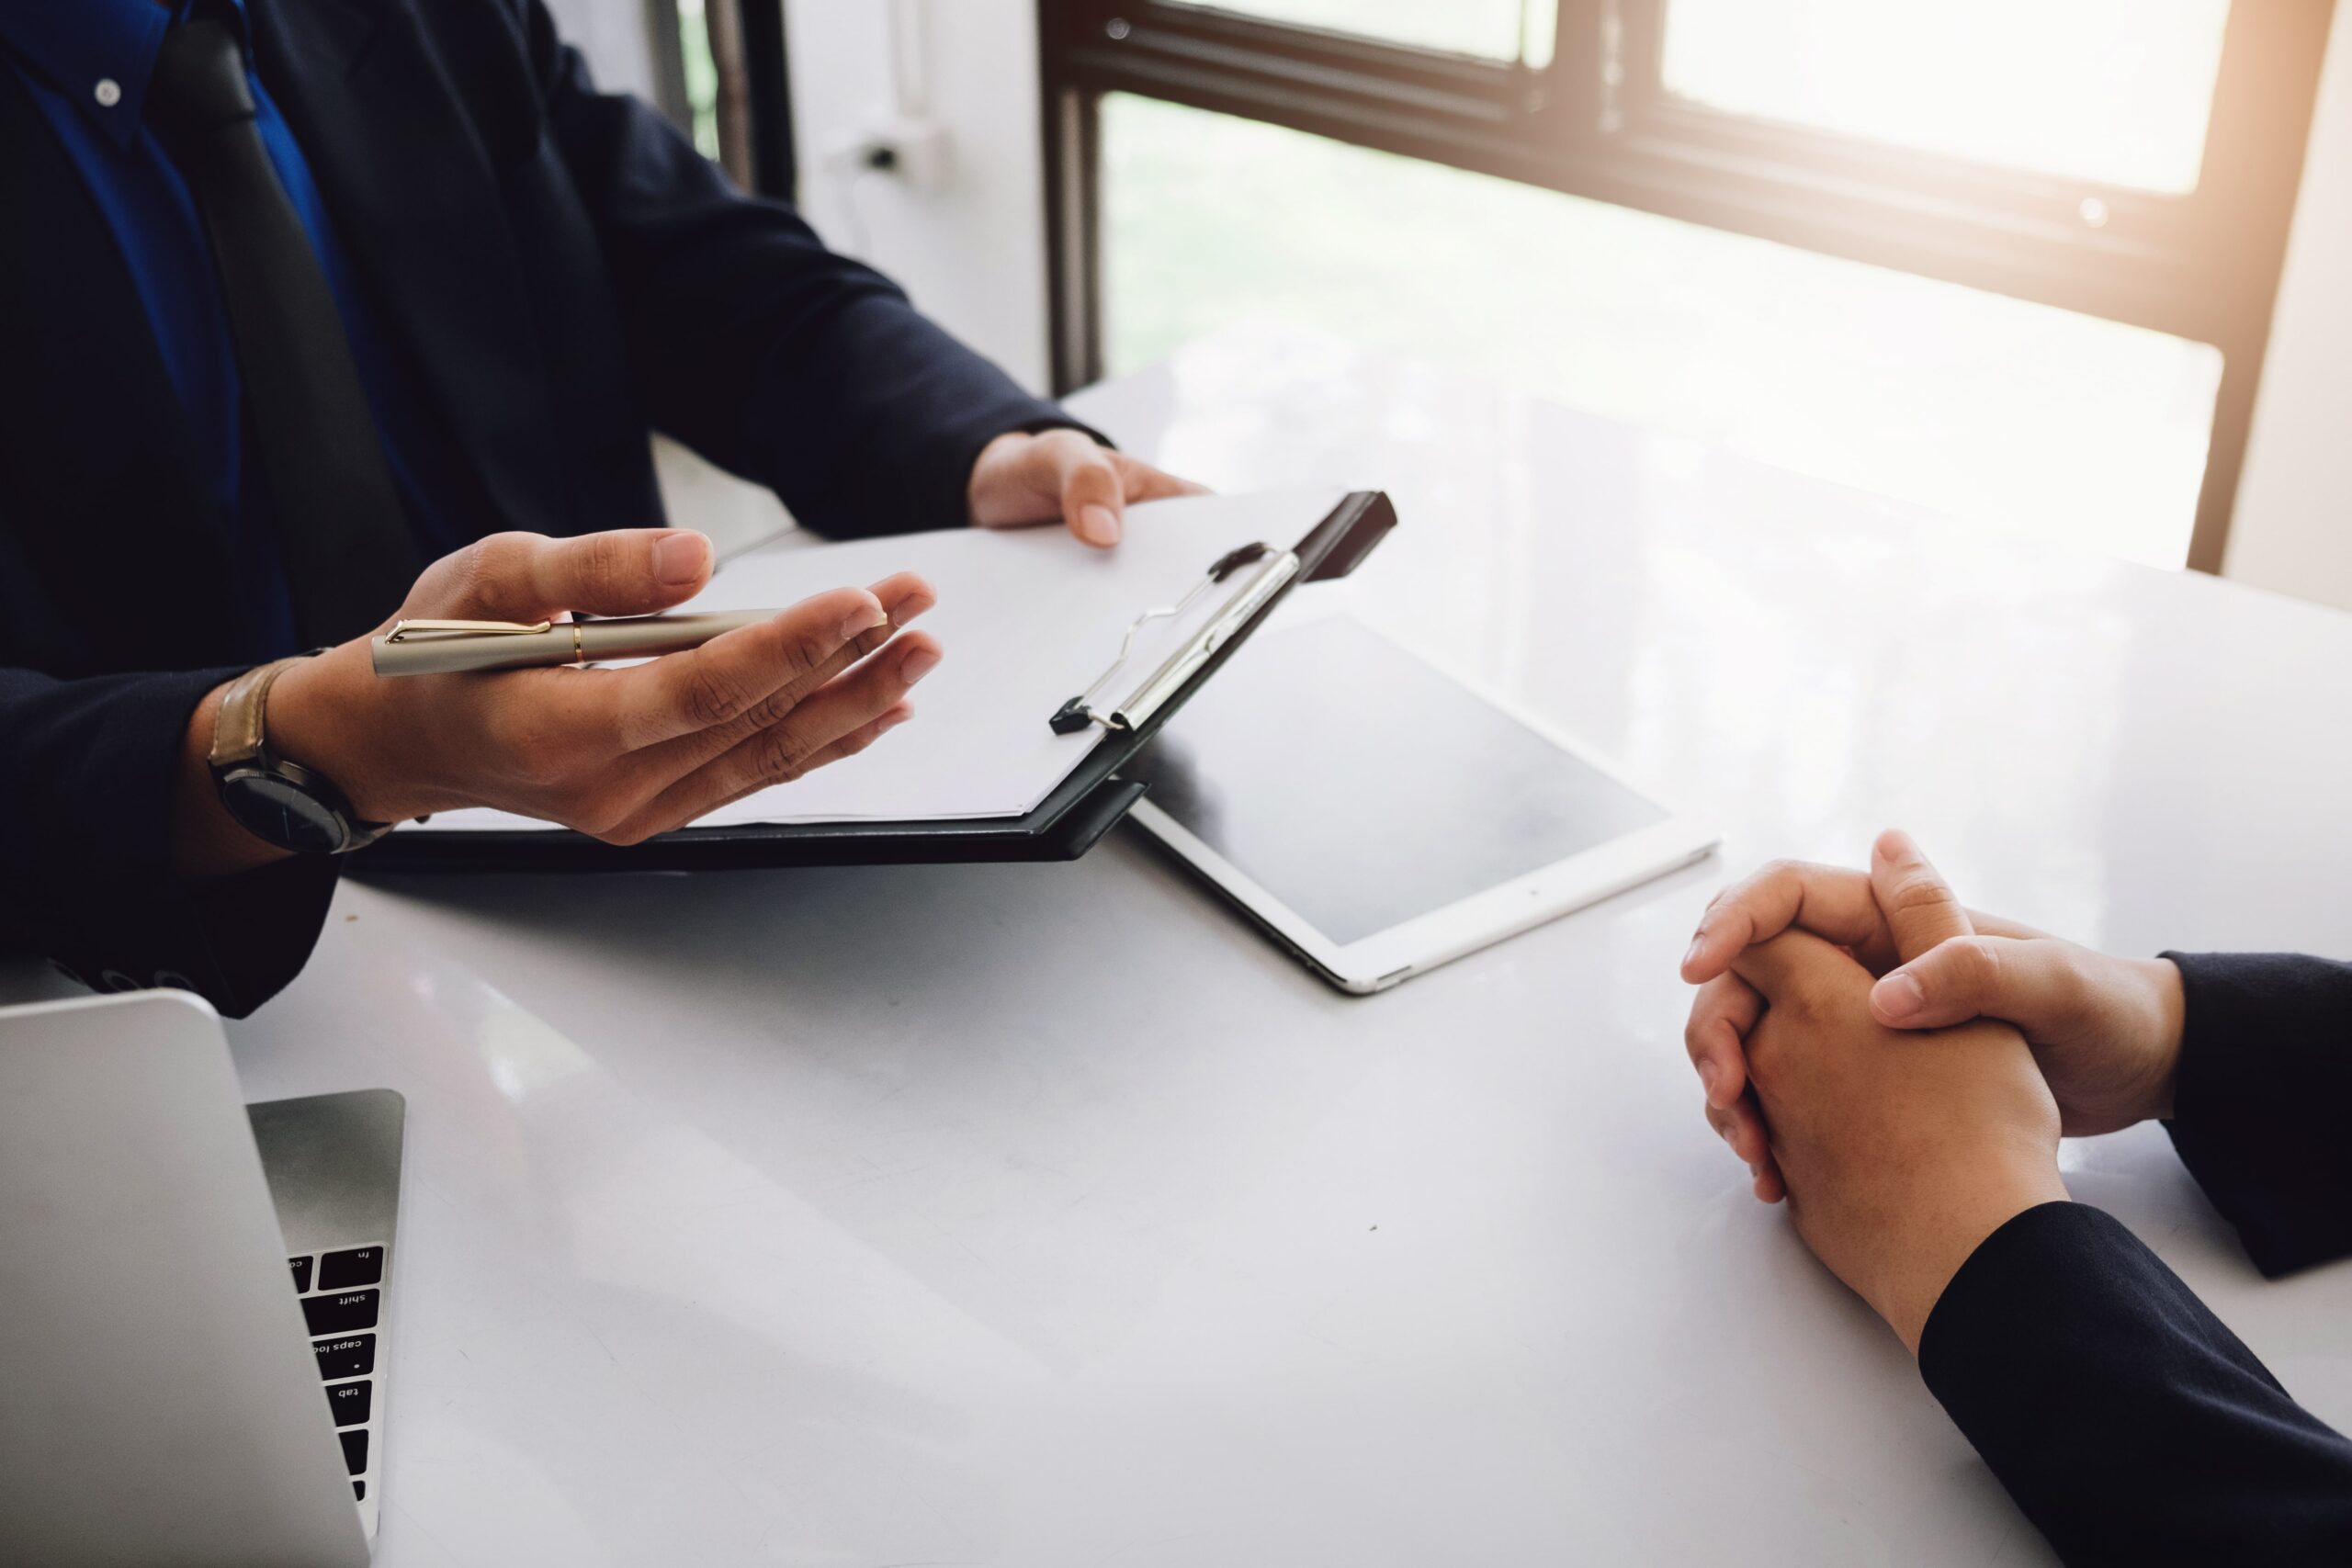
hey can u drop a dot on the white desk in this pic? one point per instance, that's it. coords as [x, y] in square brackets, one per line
[1048, 1216]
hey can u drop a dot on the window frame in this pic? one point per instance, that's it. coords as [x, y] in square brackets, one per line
[767, 88]
[1598, 122]
[776, 165]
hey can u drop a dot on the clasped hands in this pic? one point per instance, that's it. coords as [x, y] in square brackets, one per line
[1899, 1067]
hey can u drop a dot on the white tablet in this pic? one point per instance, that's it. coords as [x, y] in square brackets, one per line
[1379, 817]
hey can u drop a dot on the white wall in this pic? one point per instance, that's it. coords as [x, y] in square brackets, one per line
[972, 252]
[612, 34]
[2293, 525]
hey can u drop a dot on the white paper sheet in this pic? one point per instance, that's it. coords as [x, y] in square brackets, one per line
[1028, 618]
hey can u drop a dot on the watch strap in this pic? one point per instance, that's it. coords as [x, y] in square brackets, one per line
[238, 728]
[241, 739]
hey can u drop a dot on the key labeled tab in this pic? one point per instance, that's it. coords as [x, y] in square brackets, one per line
[350, 1401]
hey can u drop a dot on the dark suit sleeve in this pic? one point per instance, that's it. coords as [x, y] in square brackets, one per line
[754, 344]
[86, 876]
[2128, 1423]
[2265, 1072]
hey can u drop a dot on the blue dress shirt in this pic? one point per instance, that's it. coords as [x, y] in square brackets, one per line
[86, 63]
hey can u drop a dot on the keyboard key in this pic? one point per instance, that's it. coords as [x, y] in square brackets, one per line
[343, 1313]
[359, 1266]
[353, 1356]
[355, 1450]
[359, 1492]
[301, 1267]
[349, 1401]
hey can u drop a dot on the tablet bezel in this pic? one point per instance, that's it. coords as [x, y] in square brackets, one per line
[1438, 936]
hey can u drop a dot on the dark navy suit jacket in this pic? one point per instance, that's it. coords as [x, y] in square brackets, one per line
[89, 67]
[561, 272]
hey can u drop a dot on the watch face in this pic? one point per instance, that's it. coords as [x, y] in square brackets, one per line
[281, 813]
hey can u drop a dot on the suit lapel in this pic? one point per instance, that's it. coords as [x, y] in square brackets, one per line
[411, 185]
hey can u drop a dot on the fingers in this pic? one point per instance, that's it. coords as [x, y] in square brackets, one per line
[1831, 902]
[1741, 1126]
[1798, 967]
[1143, 482]
[1724, 1010]
[651, 700]
[1919, 905]
[662, 817]
[2037, 985]
[812, 733]
[727, 677]
[1094, 498]
[904, 598]
[529, 577]
[1022, 479]
[857, 740]
[1097, 485]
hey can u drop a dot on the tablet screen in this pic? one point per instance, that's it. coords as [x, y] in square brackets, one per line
[1362, 788]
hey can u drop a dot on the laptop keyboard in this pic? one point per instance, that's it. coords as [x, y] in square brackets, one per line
[342, 1300]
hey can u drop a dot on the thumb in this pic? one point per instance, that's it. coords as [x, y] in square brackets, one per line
[1919, 905]
[529, 577]
[2029, 984]
[1093, 499]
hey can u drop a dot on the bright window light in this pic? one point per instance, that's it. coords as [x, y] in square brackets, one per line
[2117, 91]
[2008, 414]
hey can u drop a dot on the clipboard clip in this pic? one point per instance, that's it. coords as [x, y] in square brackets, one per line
[1274, 569]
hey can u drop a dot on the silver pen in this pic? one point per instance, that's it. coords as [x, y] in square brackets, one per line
[440, 648]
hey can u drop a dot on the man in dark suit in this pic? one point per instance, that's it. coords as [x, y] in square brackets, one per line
[299, 296]
[1900, 1069]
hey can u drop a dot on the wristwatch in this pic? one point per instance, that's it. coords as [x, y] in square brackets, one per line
[279, 802]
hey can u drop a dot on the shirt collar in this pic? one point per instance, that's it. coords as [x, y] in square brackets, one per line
[99, 54]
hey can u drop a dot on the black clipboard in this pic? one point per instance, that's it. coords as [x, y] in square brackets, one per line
[1065, 825]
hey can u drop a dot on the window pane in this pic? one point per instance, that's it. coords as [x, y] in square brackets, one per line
[1496, 29]
[2016, 415]
[2117, 91]
[702, 75]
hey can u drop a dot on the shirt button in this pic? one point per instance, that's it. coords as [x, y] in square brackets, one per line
[108, 92]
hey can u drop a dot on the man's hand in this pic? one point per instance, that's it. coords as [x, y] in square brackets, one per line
[1066, 474]
[2106, 1030]
[621, 754]
[1901, 1152]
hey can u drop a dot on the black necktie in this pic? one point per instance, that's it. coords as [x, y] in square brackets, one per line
[349, 555]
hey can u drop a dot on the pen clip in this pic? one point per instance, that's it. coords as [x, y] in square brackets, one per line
[425, 631]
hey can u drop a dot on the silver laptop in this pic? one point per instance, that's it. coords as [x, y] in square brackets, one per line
[165, 1399]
